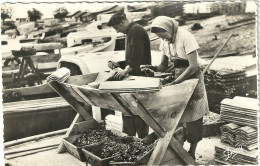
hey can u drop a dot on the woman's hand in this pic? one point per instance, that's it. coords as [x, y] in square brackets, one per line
[171, 83]
[144, 67]
[148, 72]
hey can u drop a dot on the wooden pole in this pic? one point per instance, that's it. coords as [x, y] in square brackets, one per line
[33, 138]
[26, 150]
[32, 153]
[216, 55]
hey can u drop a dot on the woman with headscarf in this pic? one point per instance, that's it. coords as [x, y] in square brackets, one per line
[179, 46]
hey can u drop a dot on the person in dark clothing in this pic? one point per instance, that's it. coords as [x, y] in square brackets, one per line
[137, 53]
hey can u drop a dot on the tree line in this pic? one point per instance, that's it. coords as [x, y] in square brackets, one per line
[33, 14]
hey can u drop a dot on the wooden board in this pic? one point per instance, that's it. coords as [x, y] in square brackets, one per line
[82, 79]
[129, 86]
[43, 46]
[22, 107]
[141, 102]
[167, 105]
[164, 97]
[62, 90]
[103, 100]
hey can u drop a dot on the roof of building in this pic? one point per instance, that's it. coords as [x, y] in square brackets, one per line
[73, 14]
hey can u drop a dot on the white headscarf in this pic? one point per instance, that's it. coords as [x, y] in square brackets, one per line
[168, 24]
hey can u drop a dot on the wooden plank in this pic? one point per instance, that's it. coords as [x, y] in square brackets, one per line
[173, 121]
[103, 100]
[75, 95]
[166, 116]
[36, 105]
[124, 104]
[36, 109]
[43, 46]
[171, 158]
[33, 138]
[82, 95]
[34, 90]
[168, 95]
[176, 146]
[31, 152]
[62, 90]
[170, 110]
[102, 76]
[78, 127]
[82, 79]
[30, 102]
[160, 149]
[62, 147]
[144, 114]
[28, 105]
[131, 85]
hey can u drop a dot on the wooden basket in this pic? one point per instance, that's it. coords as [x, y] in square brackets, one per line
[143, 160]
[74, 150]
[140, 161]
[94, 160]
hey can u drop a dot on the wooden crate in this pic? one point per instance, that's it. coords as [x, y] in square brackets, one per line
[143, 160]
[93, 159]
[80, 128]
[140, 161]
[74, 150]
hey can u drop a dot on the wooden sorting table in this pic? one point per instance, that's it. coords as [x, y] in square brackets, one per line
[161, 110]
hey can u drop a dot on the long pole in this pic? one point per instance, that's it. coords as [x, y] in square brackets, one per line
[216, 55]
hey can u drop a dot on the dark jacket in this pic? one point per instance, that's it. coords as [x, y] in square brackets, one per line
[138, 51]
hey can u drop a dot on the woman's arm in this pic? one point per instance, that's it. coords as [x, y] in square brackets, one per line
[163, 65]
[193, 67]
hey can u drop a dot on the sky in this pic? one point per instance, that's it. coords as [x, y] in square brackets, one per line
[20, 9]
[46, 8]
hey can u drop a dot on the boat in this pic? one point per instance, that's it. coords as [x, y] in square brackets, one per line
[89, 36]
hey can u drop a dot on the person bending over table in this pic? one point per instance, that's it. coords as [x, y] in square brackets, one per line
[180, 47]
[137, 53]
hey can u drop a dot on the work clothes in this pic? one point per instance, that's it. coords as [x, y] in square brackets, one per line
[135, 124]
[194, 131]
[177, 53]
[168, 24]
[138, 51]
[184, 44]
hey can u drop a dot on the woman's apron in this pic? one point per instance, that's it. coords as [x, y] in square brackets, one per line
[197, 106]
